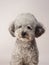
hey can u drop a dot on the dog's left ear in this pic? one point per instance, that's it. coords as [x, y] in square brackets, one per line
[39, 30]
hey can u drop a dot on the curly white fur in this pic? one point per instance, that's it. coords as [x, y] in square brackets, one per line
[25, 51]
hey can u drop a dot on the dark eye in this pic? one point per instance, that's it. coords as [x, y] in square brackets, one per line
[29, 27]
[20, 26]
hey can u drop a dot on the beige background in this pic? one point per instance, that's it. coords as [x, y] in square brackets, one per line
[9, 9]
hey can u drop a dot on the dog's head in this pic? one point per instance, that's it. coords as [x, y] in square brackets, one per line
[26, 28]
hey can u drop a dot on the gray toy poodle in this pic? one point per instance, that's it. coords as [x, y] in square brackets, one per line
[25, 28]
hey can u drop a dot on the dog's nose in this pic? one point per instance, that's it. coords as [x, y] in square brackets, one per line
[23, 34]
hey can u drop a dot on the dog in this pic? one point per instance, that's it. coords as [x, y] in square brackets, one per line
[25, 29]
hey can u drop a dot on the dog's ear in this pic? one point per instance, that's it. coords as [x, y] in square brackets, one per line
[12, 29]
[39, 30]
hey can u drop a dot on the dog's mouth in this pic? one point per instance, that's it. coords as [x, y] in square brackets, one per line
[25, 38]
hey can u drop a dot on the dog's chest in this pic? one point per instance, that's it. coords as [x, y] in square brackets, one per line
[25, 51]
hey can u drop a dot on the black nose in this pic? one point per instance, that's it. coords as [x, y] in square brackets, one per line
[23, 34]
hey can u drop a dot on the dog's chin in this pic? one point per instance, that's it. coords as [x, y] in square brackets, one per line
[24, 39]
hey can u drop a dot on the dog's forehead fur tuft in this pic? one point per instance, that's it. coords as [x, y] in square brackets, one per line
[24, 19]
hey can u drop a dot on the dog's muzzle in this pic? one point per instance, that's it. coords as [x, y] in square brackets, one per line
[23, 36]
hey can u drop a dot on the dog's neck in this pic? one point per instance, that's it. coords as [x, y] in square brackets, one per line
[26, 44]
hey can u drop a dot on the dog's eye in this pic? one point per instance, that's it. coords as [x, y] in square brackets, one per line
[29, 27]
[20, 26]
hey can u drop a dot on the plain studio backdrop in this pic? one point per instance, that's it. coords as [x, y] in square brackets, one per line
[9, 9]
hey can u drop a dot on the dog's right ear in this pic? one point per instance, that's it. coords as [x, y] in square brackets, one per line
[12, 29]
